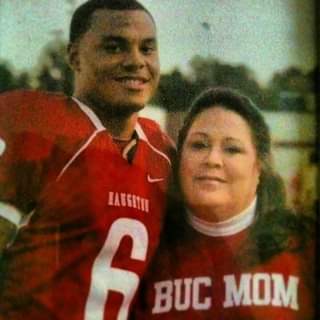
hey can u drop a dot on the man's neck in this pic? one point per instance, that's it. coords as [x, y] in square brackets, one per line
[119, 125]
[121, 128]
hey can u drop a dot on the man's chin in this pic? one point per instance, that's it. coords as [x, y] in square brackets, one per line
[136, 106]
[127, 108]
[116, 108]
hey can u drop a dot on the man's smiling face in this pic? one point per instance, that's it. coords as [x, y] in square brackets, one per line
[116, 61]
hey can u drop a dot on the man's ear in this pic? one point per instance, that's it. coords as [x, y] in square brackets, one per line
[73, 56]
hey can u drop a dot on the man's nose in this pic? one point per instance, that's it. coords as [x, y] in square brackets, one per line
[133, 59]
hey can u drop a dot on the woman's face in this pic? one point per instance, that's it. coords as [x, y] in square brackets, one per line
[219, 169]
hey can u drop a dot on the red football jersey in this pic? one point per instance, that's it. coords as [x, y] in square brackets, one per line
[203, 279]
[93, 218]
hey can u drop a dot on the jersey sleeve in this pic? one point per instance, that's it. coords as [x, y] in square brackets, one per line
[22, 151]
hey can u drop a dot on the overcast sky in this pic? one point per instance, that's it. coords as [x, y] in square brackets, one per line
[266, 35]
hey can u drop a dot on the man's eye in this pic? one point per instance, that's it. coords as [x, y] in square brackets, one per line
[112, 48]
[148, 49]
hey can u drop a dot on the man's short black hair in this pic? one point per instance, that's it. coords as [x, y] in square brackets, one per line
[81, 18]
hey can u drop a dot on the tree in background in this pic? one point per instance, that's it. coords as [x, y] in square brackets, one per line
[9, 80]
[54, 73]
[290, 89]
[177, 90]
[211, 72]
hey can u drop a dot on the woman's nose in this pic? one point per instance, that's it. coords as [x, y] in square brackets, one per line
[214, 157]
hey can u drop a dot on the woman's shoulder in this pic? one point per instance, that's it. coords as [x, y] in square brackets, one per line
[282, 230]
[286, 222]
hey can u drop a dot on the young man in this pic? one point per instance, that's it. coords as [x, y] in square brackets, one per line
[83, 179]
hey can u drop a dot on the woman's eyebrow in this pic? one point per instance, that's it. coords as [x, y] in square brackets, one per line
[199, 133]
[233, 139]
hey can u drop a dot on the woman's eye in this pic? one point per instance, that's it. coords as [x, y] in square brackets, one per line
[233, 149]
[198, 145]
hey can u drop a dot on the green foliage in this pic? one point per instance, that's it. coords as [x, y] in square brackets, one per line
[290, 89]
[211, 72]
[287, 90]
[54, 73]
[51, 74]
[175, 91]
[10, 81]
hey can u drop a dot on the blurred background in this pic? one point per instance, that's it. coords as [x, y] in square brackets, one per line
[265, 48]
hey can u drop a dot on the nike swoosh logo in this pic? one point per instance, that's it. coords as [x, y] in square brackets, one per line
[153, 180]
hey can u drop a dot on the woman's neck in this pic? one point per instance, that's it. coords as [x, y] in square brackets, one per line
[225, 227]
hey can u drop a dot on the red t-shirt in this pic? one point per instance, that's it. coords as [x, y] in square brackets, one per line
[204, 278]
[94, 217]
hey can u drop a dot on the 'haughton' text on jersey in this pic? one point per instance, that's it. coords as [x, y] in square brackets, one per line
[123, 199]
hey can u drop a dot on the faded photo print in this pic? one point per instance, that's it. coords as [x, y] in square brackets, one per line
[159, 159]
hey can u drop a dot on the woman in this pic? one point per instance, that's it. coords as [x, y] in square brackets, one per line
[230, 248]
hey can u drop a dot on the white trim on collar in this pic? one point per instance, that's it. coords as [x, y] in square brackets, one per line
[224, 228]
[142, 136]
[100, 127]
[98, 124]
[90, 114]
[10, 213]
[140, 132]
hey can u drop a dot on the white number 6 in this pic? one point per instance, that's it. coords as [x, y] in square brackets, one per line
[105, 278]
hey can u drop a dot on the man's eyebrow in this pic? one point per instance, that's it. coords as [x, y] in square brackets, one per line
[150, 40]
[124, 39]
[113, 38]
